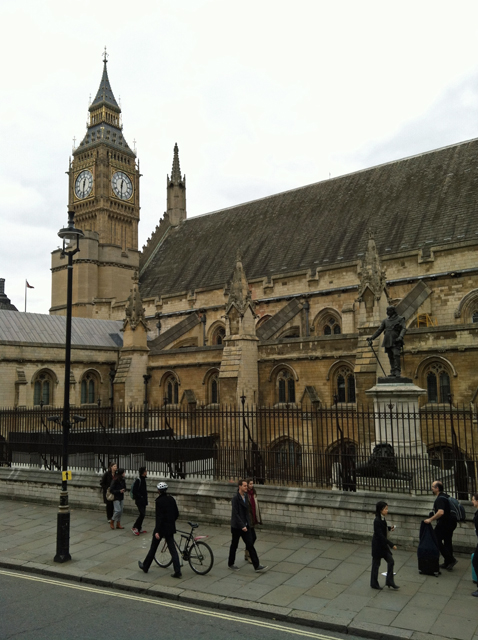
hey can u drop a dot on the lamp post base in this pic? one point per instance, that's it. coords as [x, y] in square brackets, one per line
[63, 530]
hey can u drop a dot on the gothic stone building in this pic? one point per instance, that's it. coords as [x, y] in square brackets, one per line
[272, 299]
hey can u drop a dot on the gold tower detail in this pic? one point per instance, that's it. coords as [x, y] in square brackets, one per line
[103, 191]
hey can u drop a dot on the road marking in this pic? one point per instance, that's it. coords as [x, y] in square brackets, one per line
[169, 605]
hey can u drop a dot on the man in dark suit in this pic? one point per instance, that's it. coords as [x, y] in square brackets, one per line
[240, 528]
[394, 328]
[166, 515]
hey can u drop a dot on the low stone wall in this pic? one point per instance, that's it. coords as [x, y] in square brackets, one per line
[327, 514]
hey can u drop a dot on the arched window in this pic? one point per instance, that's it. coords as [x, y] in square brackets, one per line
[171, 390]
[345, 385]
[438, 383]
[43, 389]
[286, 386]
[214, 389]
[89, 388]
[218, 335]
[331, 326]
[327, 323]
[474, 317]
[285, 463]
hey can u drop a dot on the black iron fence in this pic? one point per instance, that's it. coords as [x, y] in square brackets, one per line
[341, 447]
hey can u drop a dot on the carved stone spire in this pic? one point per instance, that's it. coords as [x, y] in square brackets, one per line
[239, 294]
[176, 192]
[372, 275]
[134, 310]
[176, 169]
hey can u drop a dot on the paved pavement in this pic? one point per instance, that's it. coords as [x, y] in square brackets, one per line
[323, 583]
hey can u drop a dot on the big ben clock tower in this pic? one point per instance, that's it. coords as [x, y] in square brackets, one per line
[104, 194]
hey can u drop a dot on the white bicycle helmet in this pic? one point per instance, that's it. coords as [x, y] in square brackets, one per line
[162, 486]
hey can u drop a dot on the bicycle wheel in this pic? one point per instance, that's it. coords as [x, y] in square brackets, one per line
[163, 557]
[200, 558]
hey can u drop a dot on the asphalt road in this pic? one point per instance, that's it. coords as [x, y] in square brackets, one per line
[33, 607]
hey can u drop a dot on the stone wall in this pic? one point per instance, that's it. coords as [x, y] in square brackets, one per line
[327, 514]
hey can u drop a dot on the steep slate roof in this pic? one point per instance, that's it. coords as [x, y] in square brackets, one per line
[51, 330]
[424, 200]
[105, 93]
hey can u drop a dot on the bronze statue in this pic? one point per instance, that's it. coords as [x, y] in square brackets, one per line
[394, 329]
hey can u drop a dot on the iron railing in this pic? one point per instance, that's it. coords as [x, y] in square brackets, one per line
[343, 447]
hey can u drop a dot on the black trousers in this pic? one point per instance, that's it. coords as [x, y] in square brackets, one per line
[139, 520]
[388, 557]
[109, 509]
[172, 550]
[444, 534]
[246, 536]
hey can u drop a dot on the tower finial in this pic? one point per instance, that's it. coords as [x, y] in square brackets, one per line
[176, 169]
[105, 56]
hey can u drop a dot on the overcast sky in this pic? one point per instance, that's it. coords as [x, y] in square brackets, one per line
[261, 96]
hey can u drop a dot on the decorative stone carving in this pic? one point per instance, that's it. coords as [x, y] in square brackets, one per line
[372, 275]
[239, 293]
[134, 310]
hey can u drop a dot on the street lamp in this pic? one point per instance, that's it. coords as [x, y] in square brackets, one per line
[71, 245]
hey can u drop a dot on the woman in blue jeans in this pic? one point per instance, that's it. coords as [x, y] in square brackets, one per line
[118, 489]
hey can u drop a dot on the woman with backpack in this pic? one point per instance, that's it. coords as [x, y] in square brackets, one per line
[105, 483]
[118, 489]
[381, 546]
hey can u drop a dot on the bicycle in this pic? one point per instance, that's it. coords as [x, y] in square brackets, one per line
[190, 548]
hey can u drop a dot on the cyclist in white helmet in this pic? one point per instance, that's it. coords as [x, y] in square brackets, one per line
[166, 515]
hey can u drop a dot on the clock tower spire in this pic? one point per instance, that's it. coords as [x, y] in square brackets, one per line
[104, 194]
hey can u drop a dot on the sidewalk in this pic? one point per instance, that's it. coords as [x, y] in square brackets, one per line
[310, 581]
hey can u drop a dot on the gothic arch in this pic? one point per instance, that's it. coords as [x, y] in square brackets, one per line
[291, 332]
[337, 364]
[216, 330]
[50, 372]
[89, 386]
[283, 365]
[262, 320]
[428, 360]
[328, 321]
[168, 373]
[468, 304]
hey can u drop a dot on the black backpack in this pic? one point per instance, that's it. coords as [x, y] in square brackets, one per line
[457, 510]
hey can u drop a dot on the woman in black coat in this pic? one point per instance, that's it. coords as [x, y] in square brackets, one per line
[381, 546]
[105, 483]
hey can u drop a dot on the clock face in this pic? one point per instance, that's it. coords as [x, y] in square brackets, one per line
[84, 184]
[122, 185]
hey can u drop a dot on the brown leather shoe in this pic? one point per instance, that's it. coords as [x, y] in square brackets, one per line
[112, 524]
[118, 525]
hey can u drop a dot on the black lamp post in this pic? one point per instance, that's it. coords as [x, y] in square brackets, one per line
[71, 245]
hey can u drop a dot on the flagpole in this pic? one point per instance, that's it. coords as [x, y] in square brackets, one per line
[25, 296]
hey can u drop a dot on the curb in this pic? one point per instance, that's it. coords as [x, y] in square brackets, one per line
[253, 609]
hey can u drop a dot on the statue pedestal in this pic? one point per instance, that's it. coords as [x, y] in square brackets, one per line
[397, 416]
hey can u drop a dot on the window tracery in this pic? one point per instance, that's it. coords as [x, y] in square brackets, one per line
[286, 386]
[438, 383]
[345, 385]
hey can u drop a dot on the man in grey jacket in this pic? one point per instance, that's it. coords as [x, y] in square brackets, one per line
[240, 528]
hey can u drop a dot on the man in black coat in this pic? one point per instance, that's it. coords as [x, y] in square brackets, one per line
[445, 526]
[240, 528]
[140, 495]
[166, 515]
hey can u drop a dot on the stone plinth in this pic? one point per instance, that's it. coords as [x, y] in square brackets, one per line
[397, 416]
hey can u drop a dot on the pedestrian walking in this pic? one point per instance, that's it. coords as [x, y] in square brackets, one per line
[240, 528]
[381, 546]
[118, 489]
[140, 495]
[474, 499]
[105, 483]
[166, 515]
[254, 514]
[445, 525]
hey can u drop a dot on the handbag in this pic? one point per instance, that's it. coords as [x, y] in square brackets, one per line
[109, 495]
